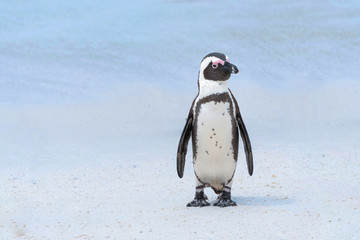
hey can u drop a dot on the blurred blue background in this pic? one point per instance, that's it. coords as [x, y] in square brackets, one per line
[61, 51]
[81, 81]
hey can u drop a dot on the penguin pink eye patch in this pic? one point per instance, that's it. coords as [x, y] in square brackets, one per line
[216, 63]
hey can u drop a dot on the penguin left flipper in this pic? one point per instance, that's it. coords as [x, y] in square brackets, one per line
[183, 143]
[247, 144]
[245, 137]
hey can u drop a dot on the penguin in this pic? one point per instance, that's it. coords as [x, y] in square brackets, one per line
[214, 122]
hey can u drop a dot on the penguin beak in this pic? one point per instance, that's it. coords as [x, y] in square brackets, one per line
[228, 68]
[234, 69]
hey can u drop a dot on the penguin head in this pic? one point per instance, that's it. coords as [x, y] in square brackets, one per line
[217, 67]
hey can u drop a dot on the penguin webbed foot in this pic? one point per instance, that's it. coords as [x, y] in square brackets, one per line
[198, 203]
[224, 200]
[200, 200]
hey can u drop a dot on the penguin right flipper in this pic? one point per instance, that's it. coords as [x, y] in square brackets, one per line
[183, 143]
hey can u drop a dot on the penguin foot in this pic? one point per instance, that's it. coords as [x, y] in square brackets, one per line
[225, 203]
[224, 200]
[198, 203]
[199, 200]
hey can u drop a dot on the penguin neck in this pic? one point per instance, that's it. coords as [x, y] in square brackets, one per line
[210, 87]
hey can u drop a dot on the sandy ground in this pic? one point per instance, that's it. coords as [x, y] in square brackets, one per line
[305, 184]
[290, 196]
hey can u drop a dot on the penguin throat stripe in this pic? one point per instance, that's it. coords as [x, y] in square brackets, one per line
[216, 63]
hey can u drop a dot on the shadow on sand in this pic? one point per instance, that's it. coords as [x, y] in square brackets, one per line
[262, 200]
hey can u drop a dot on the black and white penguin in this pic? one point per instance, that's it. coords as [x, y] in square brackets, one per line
[213, 123]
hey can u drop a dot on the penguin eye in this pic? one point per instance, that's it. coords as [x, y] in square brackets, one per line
[215, 64]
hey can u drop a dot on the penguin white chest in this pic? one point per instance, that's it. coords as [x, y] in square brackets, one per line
[214, 161]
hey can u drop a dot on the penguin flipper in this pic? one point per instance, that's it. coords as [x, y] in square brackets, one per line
[245, 137]
[182, 148]
[247, 144]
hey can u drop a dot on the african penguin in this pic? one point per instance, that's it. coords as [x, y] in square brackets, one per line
[213, 123]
